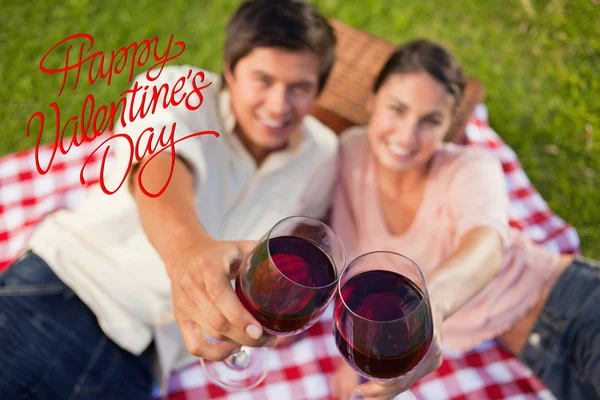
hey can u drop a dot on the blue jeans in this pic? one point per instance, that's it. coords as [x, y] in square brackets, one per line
[51, 346]
[563, 348]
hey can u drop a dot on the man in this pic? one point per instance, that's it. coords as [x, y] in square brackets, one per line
[80, 310]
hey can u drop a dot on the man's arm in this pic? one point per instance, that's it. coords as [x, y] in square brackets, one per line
[198, 265]
[169, 221]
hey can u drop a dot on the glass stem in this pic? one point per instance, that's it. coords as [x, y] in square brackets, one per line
[240, 359]
[356, 396]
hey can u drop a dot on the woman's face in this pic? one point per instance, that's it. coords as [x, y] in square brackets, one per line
[410, 115]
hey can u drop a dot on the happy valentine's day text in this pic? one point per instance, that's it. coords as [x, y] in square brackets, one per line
[133, 104]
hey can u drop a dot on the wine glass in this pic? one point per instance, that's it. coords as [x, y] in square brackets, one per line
[382, 317]
[286, 283]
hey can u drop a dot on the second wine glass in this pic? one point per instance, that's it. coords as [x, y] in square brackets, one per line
[286, 283]
[382, 318]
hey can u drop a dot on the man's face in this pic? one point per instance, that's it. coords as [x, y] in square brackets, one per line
[271, 90]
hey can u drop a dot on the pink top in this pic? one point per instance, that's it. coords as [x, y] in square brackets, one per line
[465, 189]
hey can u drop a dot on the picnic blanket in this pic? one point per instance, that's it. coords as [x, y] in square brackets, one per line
[301, 370]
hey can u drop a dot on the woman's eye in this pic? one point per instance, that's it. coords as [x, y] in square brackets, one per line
[397, 110]
[433, 122]
[264, 81]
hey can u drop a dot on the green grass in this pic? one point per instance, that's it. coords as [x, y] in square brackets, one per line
[540, 67]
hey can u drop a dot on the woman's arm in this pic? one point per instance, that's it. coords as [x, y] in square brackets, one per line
[478, 203]
[476, 261]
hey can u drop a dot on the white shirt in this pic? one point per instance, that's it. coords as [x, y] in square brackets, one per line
[101, 251]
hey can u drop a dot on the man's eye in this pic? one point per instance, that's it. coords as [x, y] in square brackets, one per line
[301, 90]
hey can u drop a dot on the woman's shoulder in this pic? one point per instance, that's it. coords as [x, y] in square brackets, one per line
[353, 146]
[452, 158]
[353, 152]
[353, 139]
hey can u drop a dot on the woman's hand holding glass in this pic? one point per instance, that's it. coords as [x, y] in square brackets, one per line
[389, 390]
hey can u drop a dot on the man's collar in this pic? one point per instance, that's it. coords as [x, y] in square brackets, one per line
[227, 115]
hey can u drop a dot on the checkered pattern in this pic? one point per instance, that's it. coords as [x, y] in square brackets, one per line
[301, 370]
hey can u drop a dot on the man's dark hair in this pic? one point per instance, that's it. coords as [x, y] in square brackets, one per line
[287, 24]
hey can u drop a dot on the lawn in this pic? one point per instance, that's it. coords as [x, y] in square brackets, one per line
[539, 61]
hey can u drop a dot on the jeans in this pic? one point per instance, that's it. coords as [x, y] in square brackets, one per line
[51, 346]
[563, 348]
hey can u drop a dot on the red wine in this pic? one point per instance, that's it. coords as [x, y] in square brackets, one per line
[389, 330]
[291, 291]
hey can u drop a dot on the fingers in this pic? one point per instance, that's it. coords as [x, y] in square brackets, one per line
[246, 245]
[185, 309]
[218, 310]
[343, 382]
[390, 389]
[197, 344]
[234, 258]
[184, 305]
[202, 294]
[434, 357]
[334, 386]
[373, 390]
[226, 314]
[286, 340]
[205, 314]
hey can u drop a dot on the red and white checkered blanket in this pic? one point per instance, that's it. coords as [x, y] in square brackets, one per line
[302, 369]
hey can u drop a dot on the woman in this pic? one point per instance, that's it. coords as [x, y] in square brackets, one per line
[404, 189]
